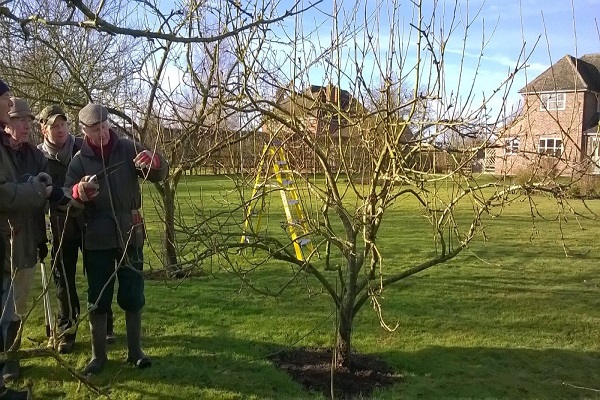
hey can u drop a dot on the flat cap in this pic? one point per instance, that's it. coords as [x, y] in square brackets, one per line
[49, 114]
[20, 108]
[93, 114]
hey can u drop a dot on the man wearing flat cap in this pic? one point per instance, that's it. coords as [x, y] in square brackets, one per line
[30, 238]
[19, 197]
[114, 234]
[59, 147]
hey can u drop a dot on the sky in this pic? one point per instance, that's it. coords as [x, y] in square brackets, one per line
[543, 30]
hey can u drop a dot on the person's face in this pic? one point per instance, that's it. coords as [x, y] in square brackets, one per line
[58, 132]
[19, 128]
[5, 106]
[98, 134]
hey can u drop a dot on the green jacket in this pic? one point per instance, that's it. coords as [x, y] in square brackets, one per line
[18, 203]
[108, 217]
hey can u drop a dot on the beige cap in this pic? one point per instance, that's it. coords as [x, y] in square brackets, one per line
[49, 114]
[20, 108]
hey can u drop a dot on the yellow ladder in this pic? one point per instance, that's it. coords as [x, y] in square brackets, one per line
[296, 225]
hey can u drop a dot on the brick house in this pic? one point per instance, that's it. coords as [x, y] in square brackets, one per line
[556, 131]
[327, 114]
[342, 128]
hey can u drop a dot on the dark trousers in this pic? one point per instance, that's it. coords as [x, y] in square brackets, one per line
[64, 262]
[100, 265]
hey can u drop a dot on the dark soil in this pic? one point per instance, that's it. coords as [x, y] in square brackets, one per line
[164, 274]
[312, 369]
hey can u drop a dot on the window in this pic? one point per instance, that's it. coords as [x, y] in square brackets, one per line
[511, 146]
[551, 146]
[552, 101]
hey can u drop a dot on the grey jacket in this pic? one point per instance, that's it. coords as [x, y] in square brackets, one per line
[108, 217]
[19, 203]
[63, 229]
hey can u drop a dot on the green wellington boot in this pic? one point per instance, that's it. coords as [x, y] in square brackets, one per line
[98, 334]
[135, 355]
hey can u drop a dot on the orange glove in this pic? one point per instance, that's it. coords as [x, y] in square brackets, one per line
[147, 159]
[86, 189]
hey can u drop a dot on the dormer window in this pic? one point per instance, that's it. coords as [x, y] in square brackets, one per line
[552, 101]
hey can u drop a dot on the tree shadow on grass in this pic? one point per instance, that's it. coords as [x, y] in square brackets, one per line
[496, 373]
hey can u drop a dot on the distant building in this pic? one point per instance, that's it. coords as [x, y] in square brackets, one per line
[557, 130]
[335, 121]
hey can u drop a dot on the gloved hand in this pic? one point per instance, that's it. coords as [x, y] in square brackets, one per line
[62, 197]
[25, 178]
[86, 189]
[44, 178]
[42, 250]
[146, 159]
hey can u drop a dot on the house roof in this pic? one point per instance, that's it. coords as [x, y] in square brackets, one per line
[568, 74]
[315, 97]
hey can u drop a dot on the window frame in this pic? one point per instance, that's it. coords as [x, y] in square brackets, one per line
[511, 146]
[551, 150]
[552, 102]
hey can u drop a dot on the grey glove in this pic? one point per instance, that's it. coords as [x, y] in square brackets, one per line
[44, 178]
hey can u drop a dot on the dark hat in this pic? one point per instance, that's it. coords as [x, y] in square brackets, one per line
[20, 108]
[93, 114]
[3, 87]
[49, 114]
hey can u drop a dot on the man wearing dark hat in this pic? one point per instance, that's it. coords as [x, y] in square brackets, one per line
[59, 147]
[114, 235]
[18, 196]
[29, 242]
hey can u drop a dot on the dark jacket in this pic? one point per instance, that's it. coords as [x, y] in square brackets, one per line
[108, 217]
[66, 226]
[19, 202]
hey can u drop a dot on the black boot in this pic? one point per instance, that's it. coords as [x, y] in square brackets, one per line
[11, 394]
[110, 328]
[135, 355]
[12, 368]
[98, 334]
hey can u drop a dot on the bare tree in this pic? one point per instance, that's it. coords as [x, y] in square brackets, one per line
[366, 143]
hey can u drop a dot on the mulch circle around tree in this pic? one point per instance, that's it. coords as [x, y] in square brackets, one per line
[312, 369]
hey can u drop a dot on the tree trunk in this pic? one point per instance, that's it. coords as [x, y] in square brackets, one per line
[344, 337]
[170, 251]
[346, 317]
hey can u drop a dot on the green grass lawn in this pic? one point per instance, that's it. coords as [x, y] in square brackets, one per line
[509, 318]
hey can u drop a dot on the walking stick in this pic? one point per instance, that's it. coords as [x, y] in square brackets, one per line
[48, 316]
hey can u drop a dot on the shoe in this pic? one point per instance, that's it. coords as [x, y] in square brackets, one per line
[66, 343]
[111, 337]
[11, 394]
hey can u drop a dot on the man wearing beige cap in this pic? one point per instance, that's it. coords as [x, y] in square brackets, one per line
[18, 197]
[115, 233]
[30, 238]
